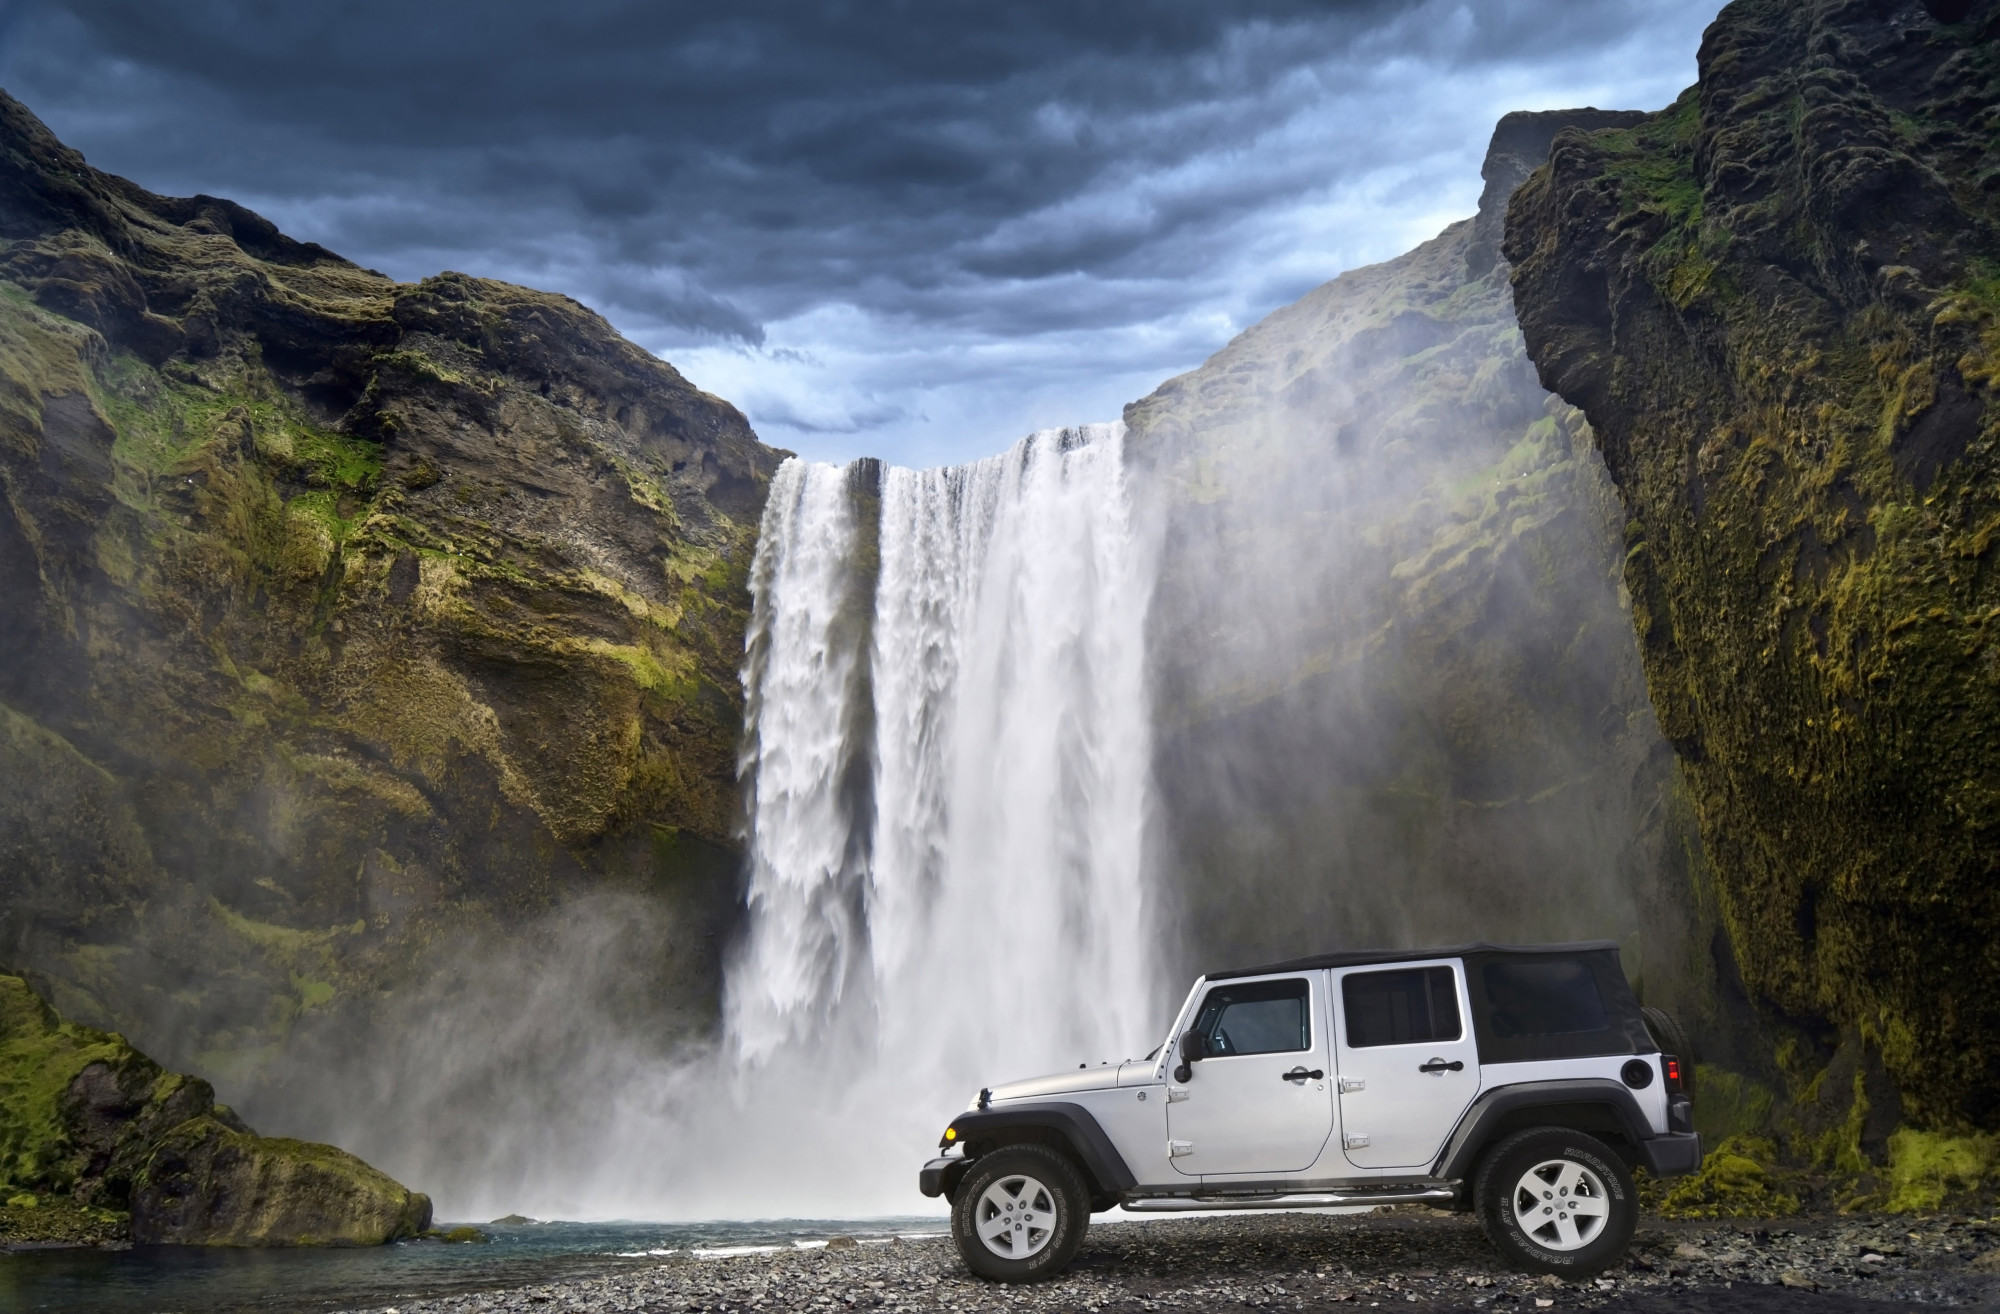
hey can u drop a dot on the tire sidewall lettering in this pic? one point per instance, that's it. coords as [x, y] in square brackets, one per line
[1494, 1192]
[1065, 1187]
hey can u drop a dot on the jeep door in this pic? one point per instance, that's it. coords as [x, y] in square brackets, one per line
[1259, 1102]
[1407, 1062]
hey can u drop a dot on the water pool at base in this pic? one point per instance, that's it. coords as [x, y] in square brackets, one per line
[185, 1280]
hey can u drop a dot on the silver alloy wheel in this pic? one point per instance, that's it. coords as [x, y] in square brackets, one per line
[1561, 1205]
[1016, 1216]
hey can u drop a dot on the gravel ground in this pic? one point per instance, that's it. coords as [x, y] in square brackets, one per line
[1320, 1262]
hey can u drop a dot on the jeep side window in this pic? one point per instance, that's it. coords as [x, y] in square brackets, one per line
[1400, 1008]
[1543, 997]
[1262, 1017]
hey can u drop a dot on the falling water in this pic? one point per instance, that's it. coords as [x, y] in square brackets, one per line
[947, 778]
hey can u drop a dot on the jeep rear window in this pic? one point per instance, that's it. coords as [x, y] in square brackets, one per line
[1261, 1017]
[1400, 1008]
[1543, 997]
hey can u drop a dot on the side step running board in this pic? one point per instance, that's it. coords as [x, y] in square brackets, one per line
[1180, 1204]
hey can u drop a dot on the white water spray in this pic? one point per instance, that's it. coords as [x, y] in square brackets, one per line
[947, 788]
[947, 765]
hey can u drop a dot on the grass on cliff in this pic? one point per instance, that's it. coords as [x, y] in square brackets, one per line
[39, 1056]
[166, 421]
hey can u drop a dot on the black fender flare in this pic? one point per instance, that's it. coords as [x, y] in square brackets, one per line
[1074, 1123]
[1476, 1128]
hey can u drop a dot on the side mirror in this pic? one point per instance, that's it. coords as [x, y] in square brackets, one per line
[1193, 1047]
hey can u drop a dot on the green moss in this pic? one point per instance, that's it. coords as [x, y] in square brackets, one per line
[40, 1055]
[1730, 1104]
[27, 1220]
[1739, 1178]
[165, 423]
[1927, 1170]
[1818, 507]
[206, 1184]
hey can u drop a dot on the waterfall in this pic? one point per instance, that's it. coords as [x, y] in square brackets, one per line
[946, 763]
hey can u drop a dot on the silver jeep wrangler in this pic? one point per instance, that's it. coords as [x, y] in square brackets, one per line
[1523, 1082]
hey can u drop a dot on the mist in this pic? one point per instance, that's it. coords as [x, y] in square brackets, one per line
[1398, 698]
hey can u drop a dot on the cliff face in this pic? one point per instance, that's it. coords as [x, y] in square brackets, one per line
[98, 1142]
[1778, 303]
[348, 621]
[1400, 698]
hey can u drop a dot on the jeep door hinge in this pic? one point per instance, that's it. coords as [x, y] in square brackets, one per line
[1175, 1094]
[1348, 1085]
[1355, 1141]
[1176, 1149]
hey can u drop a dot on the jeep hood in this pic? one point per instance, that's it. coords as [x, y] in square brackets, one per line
[1102, 1076]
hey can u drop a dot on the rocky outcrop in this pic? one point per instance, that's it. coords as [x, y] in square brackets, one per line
[350, 623]
[207, 1183]
[1400, 698]
[1776, 301]
[86, 1120]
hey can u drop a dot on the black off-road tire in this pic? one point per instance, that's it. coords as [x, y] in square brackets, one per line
[1533, 1242]
[1062, 1189]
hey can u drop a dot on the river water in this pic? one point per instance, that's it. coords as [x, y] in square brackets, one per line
[176, 1280]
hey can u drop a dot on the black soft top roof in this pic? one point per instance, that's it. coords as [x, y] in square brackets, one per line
[1364, 957]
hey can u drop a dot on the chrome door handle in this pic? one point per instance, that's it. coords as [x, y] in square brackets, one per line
[1300, 1075]
[1437, 1066]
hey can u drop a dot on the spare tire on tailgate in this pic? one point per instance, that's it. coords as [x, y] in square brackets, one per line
[1672, 1038]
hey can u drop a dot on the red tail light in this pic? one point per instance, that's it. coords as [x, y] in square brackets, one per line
[1672, 1067]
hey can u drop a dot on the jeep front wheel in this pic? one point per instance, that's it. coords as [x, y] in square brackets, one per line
[1020, 1213]
[1557, 1201]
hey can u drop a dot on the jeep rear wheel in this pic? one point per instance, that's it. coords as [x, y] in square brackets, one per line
[1020, 1213]
[1557, 1201]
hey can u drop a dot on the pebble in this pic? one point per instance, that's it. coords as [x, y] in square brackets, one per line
[1303, 1262]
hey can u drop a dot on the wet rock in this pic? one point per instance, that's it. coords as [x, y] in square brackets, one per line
[208, 1185]
[91, 1128]
[1772, 301]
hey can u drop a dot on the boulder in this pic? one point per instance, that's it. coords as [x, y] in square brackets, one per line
[210, 1185]
[92, 1126]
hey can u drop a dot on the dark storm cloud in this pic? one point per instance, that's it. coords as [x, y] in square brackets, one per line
[970, 177]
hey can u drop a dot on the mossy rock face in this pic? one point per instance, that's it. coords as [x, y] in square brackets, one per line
[206, 1184]
[28, 1220]
[1740, 1178]
[80, 1110]
[350, 623]
[1776, 303]
[1400, 700]
[98, 1141]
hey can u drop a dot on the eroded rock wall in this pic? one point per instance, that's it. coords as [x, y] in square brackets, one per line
[95, 1132]
[1778, 304]
[352, 627]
